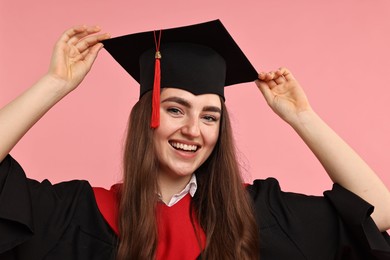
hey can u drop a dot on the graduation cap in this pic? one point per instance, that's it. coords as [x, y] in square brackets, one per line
[201, 58]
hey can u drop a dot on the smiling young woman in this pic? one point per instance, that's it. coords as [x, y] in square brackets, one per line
[188, 132]
[217, 175]
[182, 195]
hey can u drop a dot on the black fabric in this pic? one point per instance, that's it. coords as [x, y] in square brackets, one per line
[191, 67]
[296, 226]
[62, 221]
[45, 221]
[127, 50]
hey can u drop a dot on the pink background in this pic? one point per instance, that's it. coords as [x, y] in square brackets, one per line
[339, 50]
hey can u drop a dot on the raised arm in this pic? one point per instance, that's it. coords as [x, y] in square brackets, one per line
[72, 58]
[343, 165]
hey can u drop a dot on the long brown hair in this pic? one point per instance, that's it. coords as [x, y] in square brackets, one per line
[221, 203]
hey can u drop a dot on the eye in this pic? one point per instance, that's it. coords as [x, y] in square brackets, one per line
[210, 118]
[174, 111]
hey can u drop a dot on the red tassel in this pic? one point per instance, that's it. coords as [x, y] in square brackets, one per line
[155, 122]
[156, 95]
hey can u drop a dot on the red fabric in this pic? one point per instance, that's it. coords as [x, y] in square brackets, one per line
[176, 235]
[108, 205]
[156, 95]
[156, 85]
[177, 238]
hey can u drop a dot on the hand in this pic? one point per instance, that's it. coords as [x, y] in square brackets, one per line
[283, 94]
[74, 54]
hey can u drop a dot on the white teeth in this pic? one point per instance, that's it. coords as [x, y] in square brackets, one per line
[185, 147]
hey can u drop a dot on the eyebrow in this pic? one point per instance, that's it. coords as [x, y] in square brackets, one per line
[187, 104]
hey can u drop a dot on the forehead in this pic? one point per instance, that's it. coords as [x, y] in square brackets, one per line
[203, 99]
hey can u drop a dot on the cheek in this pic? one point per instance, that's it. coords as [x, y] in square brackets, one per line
[162, 134]
[162, 130]
[167, 125]
[212, 137]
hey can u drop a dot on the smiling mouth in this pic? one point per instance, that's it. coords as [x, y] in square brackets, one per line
[184, 147]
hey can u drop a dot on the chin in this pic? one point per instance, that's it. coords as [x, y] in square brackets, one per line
[183, 173]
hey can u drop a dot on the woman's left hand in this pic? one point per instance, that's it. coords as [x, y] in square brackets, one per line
[283, 94]
[343, 165]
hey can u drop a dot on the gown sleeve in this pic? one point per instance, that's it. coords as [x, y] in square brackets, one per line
[335, 226]
[39, 220]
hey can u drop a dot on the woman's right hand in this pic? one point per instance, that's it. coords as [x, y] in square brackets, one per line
[73, 55]
[72, 58]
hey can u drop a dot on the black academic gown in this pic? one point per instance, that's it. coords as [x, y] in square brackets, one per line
[62, 221]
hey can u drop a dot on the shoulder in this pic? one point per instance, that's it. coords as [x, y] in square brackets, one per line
[271, 202]
[260, 188]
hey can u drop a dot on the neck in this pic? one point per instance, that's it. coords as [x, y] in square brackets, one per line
[169, 185]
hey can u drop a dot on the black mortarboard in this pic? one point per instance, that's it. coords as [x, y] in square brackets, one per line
[201, 58]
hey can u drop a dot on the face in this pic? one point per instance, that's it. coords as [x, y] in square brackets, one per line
[188, 131]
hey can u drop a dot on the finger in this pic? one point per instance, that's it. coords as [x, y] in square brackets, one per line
[286, 74]
[92, 54]
[84, 54]
[265, 76]
[68, 34]
[271, 83]
[87, 42]
[261, 75]
[280, 79]
[265, 90]
[76, 33]
[268, 78]
[78, 36]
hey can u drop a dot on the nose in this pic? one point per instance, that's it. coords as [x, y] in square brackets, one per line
[191, 127]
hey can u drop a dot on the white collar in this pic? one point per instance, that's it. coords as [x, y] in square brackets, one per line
[189, 188]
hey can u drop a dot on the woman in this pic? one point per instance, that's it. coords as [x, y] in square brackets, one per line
[192, 135]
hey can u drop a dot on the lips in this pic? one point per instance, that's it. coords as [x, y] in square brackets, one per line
[184, 147]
